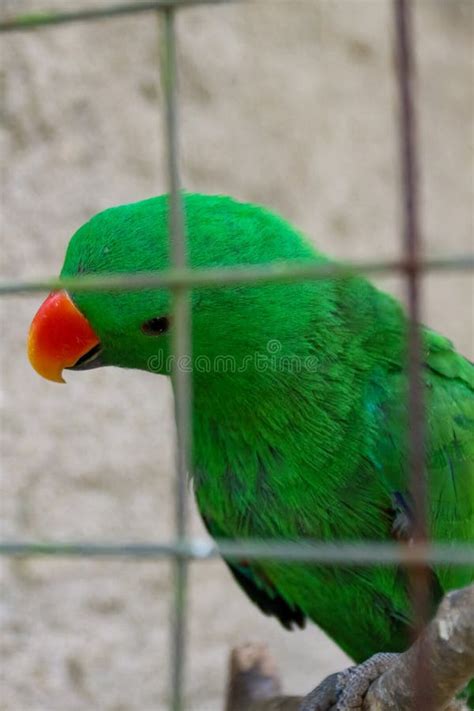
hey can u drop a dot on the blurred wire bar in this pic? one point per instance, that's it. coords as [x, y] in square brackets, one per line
[32, 20]
[284, 272]
[343, 553]
[181, 348]
[419, 576]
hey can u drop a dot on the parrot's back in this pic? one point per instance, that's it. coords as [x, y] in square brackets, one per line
[324, 455]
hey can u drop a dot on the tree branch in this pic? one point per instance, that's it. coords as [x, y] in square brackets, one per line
[447, 645]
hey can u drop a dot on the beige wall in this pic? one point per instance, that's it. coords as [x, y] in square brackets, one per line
[290, 104]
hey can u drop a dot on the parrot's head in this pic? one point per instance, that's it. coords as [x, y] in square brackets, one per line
[131, 329]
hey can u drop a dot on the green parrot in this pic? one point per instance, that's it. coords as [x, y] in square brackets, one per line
[299, 409]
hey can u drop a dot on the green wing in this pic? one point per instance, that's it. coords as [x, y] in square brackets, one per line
[449, 436]
[450, 445]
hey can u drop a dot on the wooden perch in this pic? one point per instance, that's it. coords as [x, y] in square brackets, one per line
[448, 640]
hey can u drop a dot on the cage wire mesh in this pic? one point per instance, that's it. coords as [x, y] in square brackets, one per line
[179, 279]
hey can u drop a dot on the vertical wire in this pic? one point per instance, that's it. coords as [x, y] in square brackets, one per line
[181, 343]
[419, 577]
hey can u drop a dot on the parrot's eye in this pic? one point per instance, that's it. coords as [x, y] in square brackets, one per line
[155, 326]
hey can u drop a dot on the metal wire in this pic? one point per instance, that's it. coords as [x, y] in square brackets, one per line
[224, 276]
[419, 576]
[180, 279]
[181, 348]
[329, 553]
[30, 21]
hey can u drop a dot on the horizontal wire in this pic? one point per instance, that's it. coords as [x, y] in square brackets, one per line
[258, 274]
[32, 20]
[339, 554]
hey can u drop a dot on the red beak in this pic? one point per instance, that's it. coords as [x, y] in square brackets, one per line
[59, 335]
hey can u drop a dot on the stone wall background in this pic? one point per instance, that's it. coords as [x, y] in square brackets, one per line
[290, 104]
